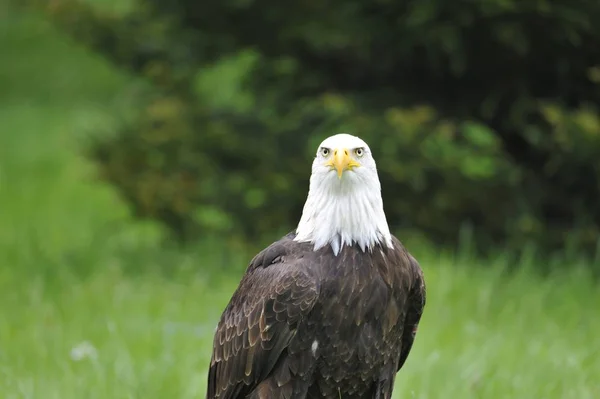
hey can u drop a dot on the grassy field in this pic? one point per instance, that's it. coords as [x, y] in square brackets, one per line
[92, 308]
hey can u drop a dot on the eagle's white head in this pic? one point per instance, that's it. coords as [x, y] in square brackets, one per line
[344, 205]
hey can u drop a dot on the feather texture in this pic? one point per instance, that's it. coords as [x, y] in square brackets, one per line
[346, 211]
[307, 323]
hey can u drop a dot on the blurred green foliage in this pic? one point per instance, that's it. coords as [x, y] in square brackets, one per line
[480, 114]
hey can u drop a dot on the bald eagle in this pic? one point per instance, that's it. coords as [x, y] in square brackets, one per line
[331, 309]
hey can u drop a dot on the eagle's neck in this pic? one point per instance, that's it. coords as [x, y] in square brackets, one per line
[339, 213]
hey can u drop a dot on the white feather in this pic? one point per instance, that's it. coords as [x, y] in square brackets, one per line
[344, 211]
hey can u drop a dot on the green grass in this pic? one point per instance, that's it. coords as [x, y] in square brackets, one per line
[482, 336]
[77, 271]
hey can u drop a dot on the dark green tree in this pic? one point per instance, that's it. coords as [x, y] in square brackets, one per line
[478, 111]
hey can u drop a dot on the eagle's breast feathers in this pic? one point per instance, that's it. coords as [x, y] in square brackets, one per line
[301, 320]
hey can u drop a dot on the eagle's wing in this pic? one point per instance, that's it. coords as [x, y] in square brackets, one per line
[258, 324]
[415, 305]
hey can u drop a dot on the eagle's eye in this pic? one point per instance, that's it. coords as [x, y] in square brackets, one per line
[325, 151]
[359, 151]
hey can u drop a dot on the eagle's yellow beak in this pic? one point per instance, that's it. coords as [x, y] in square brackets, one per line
[342, 161]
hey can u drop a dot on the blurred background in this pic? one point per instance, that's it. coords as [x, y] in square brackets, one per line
[148, 149]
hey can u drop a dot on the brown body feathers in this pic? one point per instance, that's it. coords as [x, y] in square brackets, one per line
[309, 324]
